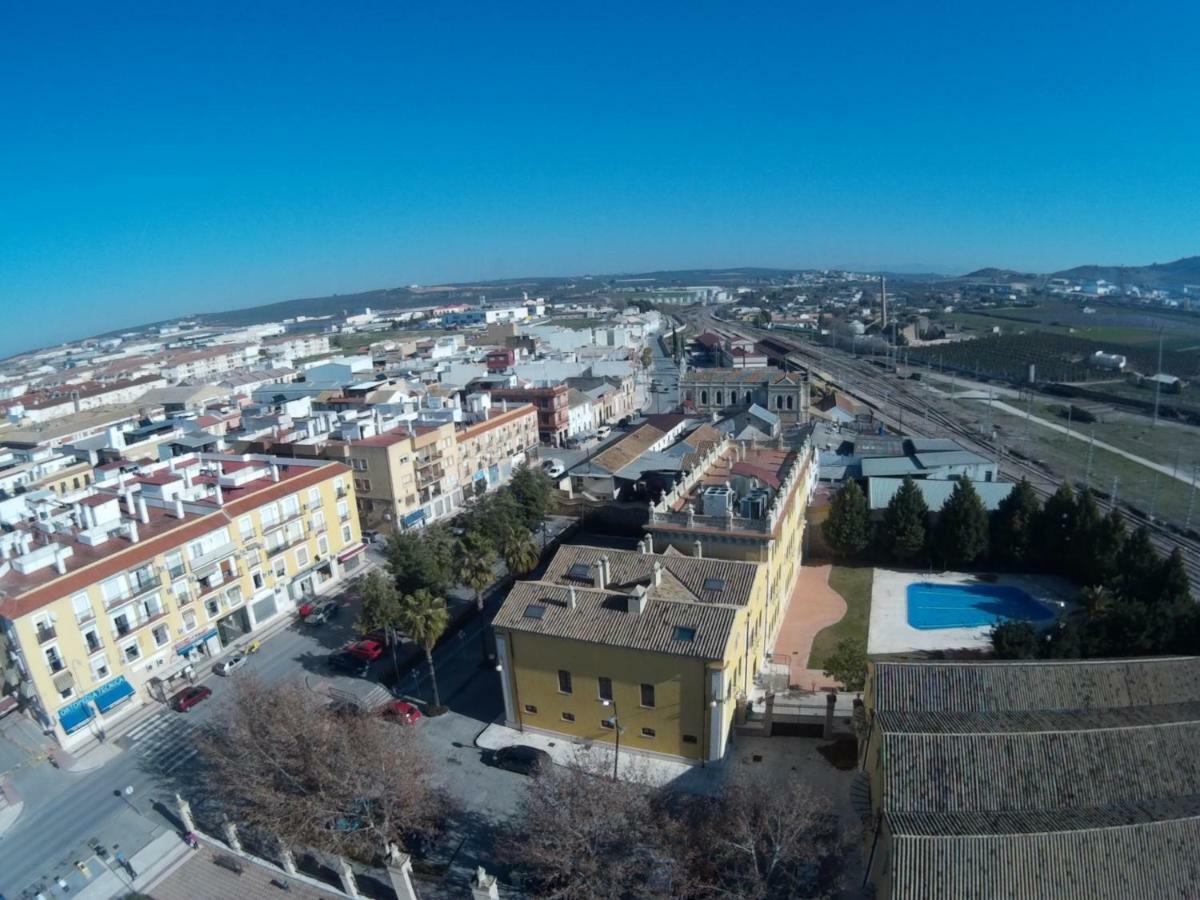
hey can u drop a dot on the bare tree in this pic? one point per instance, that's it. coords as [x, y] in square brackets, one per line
[285, 764]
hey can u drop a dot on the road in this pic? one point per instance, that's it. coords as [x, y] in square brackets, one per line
[65, 812]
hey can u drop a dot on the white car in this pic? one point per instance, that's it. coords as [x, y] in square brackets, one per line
[554, 468]
[228, 664]
[603, 431]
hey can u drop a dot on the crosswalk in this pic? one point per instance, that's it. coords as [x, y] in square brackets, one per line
[164, 742]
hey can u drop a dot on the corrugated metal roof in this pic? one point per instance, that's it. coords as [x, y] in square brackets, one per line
[935, 491]
[889, 465]
[950, 458]
[602, 617]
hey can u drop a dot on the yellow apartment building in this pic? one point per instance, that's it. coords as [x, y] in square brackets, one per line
[667, 639]
[119, 593]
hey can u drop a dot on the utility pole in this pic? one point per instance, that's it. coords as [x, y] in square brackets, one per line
[1070, 409]
[1028, 414]
[1187, 523]
[1091, 446]
[1157, 380]
[1154, 496]
[1175, 471]
[1116, 484]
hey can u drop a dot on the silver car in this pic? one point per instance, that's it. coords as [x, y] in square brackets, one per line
[229, 663]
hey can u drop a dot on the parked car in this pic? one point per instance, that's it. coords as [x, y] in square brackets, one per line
[401, 712]
[554, 468]
[373, 537]
[521, 759]
[322, 612]
[228, 664]
[348, 664]
[603, 431]
[368, 650]
[189, 697]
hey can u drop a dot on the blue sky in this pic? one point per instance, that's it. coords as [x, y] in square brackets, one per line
[158, 159]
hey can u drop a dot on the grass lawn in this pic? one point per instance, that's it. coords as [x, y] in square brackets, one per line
[854, 584]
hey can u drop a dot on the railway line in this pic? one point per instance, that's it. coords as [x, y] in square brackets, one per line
[900, 404]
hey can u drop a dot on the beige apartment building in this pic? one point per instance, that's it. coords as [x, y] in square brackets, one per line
[123, 592]
[413, 475]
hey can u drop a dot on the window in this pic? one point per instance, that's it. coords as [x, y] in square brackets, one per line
[714, 584]
[291, 506]
[648, 696]
[564, 681]
[684, 634]
[322, 546]
[704, 398]
[789, 402]
[246, 527]
[606, 724]
[114, 588]
[100, 669]
[568, 717]
[302, 557]
[189, 620]
[314, 494]
[83, 607]
[689, 739]
[91, 638]
[720, 397]
[279, 567]
[54, 659]
[347, 534]
[269, 515]
[161, 634]
[531, 709]
[132, 652]
[649, 733]
[256, 578]
[534, 611]
[580, 572]
[605, 688]
[212, 607]
[233, 596]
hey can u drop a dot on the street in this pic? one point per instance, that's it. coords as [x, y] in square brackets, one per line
[67, 814]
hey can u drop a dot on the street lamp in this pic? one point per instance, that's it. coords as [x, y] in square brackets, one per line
[616, 722]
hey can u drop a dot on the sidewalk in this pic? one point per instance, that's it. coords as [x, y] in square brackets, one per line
[10, 804]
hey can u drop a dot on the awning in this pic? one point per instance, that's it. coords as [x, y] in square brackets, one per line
[109, 695]
[187, 644]
[63, 680]
[480, 475]
[353, 551]
[71, 717]
[414, 517]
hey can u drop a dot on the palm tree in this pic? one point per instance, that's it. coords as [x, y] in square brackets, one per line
[478, 574]
[520, 551]
[424, 618]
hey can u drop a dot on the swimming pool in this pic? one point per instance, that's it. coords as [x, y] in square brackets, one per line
[933, 606]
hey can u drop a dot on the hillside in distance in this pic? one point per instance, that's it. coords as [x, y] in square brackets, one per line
[1170, 275]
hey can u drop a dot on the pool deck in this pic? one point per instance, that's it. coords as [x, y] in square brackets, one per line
[890, 632]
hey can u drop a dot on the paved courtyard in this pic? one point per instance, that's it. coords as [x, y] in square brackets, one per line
[814, 606]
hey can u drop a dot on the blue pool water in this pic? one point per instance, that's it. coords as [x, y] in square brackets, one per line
[970, 605]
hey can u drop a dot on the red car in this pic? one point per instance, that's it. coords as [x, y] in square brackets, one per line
[190, 696]
[401, 712]
[368, 650]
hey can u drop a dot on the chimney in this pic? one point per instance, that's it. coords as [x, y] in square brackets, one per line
[699, 550]
[134, 537]
[143, 511]
[91, 516]
[219, 495]
[600, 582]
[274, 472]
[571, 598]
[649, 543]
[187, 477]
[179, 507]
[641, 548]
[657, 573]
[60, 560]
[129, 507]
[607, 570]
[636, 602]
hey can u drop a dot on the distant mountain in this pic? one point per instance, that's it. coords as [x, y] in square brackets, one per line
[991, 273]
[1159, 275]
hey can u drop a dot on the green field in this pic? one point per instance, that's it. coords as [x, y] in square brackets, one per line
[577, 324]
[854, 584]
[359, 339]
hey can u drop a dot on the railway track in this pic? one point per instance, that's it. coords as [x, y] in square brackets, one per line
[919, 415]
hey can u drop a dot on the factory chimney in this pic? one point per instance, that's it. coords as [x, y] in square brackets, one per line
[883, 303]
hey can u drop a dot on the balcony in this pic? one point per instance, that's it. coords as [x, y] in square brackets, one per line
[127, 628]
[46, 633]
[55, 664]
[93, 642]
[213, 556]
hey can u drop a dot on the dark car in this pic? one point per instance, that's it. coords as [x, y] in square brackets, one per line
[348, 664]
[189, 697]
[322, 612]
[522, 760]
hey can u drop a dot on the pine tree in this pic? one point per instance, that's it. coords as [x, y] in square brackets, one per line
[961, 535]
[1139, 566]
[903, 530]
[1086, 525]
[1053, 529]
[1174, 587]
[848, 528]
[1011, 525]
[1106, 542]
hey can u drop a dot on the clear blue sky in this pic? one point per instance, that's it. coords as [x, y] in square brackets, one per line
[163, 158]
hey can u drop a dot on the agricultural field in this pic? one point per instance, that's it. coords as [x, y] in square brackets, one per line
[355, 341]
[1057, 357]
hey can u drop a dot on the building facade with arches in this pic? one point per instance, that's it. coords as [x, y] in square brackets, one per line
[729, 390]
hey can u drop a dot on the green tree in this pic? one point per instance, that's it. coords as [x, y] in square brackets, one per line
[903, 530]
[961, 535]
[647, 357]
[1139, 565]
[1014, 639]
[1107, 539]
[423, 559]
[1087, 523]
[381, 610]
[520, 551]
[531, 489]
[675, 345]
[1174, 588]
[847, 664]
[478, 574]
[1011, 526]
[424, 618]
[1053, 530]
[762, 318]
[848, 528]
